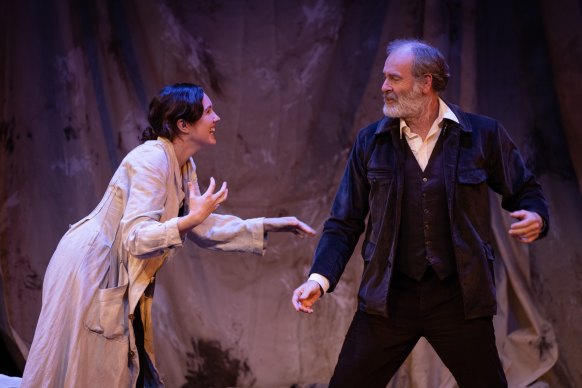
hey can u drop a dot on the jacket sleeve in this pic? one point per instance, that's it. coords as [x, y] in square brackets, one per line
[510, 177]
[143, 235]
[230, 233]
[346, 223]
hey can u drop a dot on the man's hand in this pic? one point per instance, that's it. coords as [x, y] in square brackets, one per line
[288, 224]
[305, 296]
[528, 228]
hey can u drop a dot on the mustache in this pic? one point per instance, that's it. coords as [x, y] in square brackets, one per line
[390, 96]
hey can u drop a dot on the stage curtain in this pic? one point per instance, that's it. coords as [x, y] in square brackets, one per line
[293, 82]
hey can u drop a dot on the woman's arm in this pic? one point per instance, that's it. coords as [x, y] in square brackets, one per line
[147, 172]
[230, 233]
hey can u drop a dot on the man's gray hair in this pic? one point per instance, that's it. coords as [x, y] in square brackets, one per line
[427, 60]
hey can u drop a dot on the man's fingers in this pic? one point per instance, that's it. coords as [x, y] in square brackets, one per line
[310, 293]
[519, 214]
[524, 239]
[530, 235]
[524, 227]
[299, 301]
[295, 300]
[526, 231]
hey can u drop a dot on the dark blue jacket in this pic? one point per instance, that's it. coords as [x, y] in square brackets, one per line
[479, 155]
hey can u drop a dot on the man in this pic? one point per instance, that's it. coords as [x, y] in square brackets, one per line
[421, 175]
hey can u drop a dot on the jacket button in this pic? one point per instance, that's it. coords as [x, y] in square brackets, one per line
[131, 354]
[424, 179]
[131, 317]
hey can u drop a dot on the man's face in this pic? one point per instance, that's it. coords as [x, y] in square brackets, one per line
[403, 95]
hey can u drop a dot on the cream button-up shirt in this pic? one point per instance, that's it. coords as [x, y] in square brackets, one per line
[422, 149]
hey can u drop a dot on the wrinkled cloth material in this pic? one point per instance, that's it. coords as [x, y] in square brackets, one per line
[106, 264]
[293, 82]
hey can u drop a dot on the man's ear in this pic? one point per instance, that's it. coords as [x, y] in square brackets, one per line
[426, 83]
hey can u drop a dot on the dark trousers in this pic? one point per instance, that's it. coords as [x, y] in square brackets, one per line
[376, 346]
[145, 375]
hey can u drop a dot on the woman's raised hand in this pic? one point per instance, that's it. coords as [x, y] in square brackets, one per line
[201, 206]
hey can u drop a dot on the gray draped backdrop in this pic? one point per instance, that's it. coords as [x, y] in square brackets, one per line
[293, 82]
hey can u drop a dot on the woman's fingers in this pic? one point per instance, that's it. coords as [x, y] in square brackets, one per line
[211, 187]
[191, 193]
[220, 195]
[211, 198]
[306, 230]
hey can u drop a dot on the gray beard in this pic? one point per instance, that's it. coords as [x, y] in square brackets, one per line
[407, 105]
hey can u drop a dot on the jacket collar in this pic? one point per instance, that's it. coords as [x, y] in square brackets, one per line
[175, 166]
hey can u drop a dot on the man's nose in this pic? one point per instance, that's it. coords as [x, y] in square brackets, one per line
[216, 118]
[386, 87]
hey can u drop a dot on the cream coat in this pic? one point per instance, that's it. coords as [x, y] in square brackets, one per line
[106, 263]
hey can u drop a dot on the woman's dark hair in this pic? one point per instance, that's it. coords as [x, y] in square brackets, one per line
[174, 102]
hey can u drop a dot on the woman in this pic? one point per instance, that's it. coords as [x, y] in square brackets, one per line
[95, 325]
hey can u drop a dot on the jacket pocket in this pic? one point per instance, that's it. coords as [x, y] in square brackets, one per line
[472, 177]
[379, 176]
[382, 192]
[108, 313]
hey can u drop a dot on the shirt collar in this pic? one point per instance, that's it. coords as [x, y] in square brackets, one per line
[444, 113]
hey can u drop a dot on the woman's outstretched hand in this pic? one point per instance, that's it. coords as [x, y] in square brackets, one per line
[288, 224]
[201, 206]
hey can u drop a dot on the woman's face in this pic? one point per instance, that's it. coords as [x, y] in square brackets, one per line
[202, 132]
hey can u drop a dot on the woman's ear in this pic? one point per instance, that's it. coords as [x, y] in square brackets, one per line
[182, 125]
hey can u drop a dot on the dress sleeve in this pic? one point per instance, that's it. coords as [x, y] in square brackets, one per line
[143, 235]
